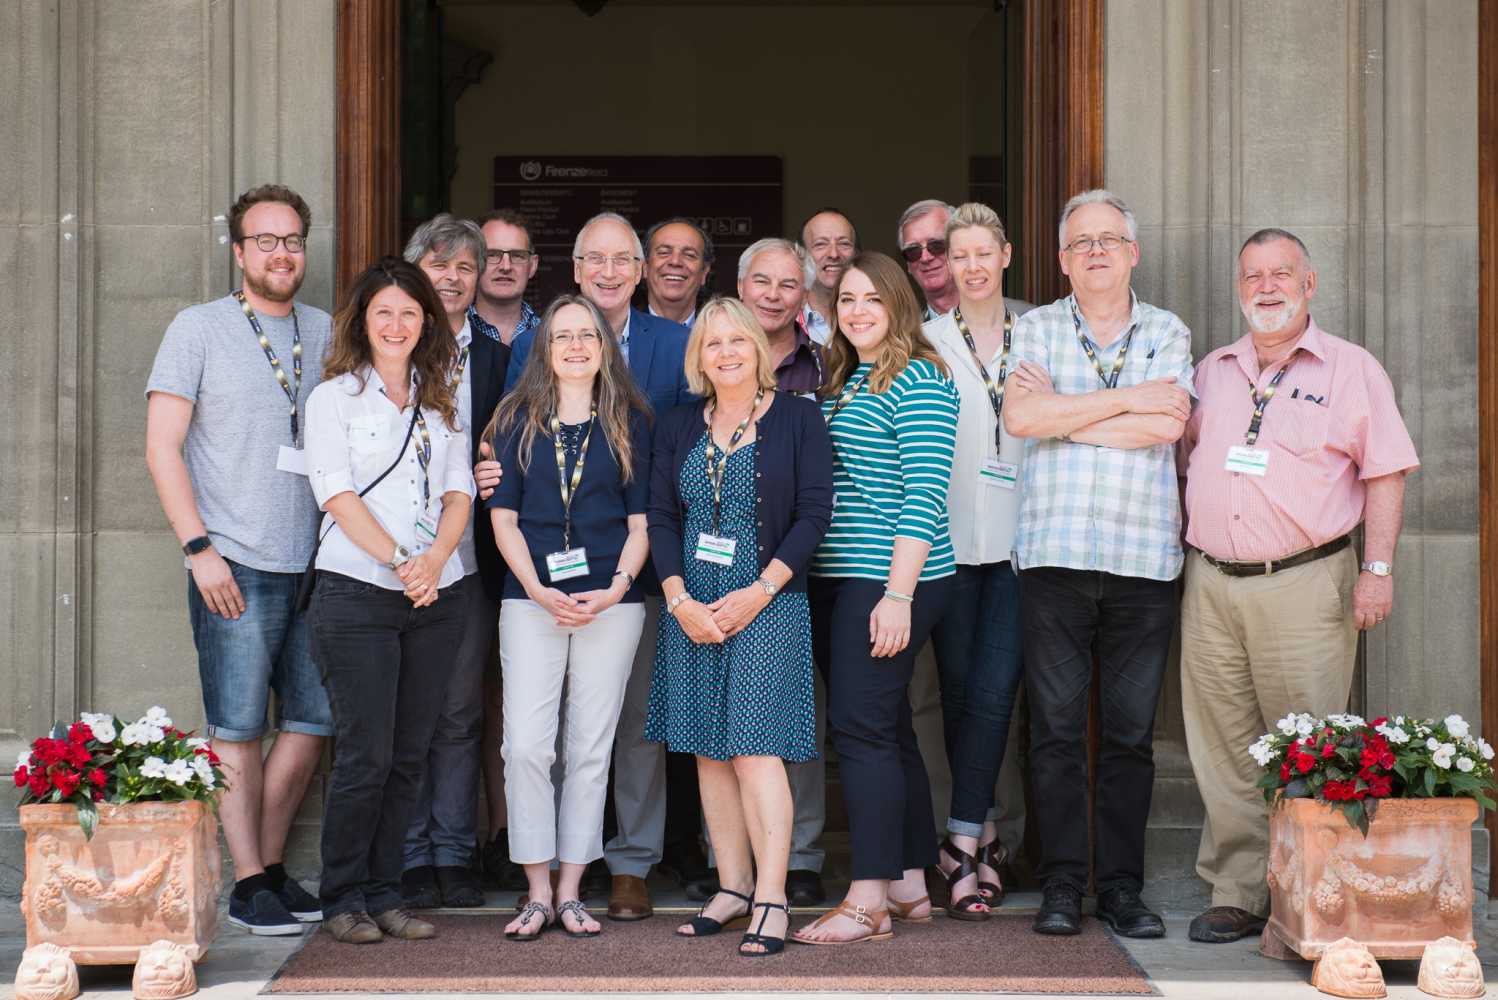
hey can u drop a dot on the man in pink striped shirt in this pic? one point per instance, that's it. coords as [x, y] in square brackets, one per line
[1296, 439]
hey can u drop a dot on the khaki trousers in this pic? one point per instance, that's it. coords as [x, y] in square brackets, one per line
[1253, 650]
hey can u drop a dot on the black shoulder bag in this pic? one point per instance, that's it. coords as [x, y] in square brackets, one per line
[309, 575]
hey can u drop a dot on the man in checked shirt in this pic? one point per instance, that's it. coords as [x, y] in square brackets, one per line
[1295, 441]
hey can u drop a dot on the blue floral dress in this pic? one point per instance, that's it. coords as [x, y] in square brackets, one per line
[752, 694]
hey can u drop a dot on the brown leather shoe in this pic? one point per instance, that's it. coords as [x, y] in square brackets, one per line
[629, 899]
[1221, 924]
[400, 924]
[352, 928]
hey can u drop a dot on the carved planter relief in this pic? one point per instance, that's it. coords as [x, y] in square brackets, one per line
[1407, 884]
[150, 874]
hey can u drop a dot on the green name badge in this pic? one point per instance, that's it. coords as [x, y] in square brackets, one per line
[1004, 475]
[567, 564]
[711, 548]
[1250, 461]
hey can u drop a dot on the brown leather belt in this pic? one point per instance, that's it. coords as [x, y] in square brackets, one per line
[1269, 566]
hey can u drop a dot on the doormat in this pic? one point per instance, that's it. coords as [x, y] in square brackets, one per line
[470, 955]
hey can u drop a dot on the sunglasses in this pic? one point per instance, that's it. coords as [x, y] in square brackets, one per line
[913, 252]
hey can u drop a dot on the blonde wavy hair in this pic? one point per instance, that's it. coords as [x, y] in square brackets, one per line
[739, 315]
[903, 344]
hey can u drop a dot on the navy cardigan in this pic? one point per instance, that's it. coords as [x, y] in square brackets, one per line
[792, 480]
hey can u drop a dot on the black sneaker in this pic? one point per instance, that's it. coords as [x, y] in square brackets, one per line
[804, 887]
[1123, 910]
[419, 888]
[1060, 910]
[263, 914]
[459, 888]
[299, 902]
[499, 871]
[596, 882]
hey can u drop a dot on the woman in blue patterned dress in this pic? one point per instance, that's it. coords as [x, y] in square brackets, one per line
[741, 495]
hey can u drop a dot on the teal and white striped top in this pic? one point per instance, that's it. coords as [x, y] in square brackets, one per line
[892, 459]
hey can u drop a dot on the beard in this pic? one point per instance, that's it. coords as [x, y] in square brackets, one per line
[1270, 320]
[274, 287]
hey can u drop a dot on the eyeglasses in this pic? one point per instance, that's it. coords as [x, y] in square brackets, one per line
[587, 338]
[516, 256]
[912, 253]
[267, 242]
[1084, 244]
[598, 261]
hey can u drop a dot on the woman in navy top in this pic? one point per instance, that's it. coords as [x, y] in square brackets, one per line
[569, 519]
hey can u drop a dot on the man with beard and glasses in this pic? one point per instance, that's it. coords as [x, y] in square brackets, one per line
[224, 422]
[678, 259]
[1296, 441]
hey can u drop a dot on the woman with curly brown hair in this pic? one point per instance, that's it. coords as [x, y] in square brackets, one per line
[388, 462]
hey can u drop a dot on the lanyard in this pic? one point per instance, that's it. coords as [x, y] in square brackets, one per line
[848, 394]
[275, 362]
[995, 392]
[1261, 403]
[569, 490]
[424, 457]
[462, 364]
[1110, 381]
[716, 476]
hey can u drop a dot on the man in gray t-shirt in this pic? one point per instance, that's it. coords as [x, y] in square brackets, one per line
[224, 408]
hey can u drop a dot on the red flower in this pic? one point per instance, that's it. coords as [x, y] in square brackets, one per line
[1380, 786]
[96, 778]
[78, 755]
[98, 795]
[1335, 791]
[1328, 751]
[38, 782]
[1285, 771]
[79, 732]
[67, 782]
[1382, 720]
[20, 777]
[1304, 762]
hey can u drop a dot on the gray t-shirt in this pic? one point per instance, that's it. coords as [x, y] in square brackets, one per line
[255, 513]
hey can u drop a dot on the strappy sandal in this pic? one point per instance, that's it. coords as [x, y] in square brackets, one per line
[580, 913]
[993, 855]
[704, 926]
[772, 945]
[965, 908]
[873, 920]
[903, 911]
[526, 912]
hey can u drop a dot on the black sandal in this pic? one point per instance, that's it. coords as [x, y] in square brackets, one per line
[526, 912]
[992, 854]
[706, 926]
[966, 907]
[580, 912]
[772, 945]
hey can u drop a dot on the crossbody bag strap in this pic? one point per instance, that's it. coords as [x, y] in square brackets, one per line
[410, 428]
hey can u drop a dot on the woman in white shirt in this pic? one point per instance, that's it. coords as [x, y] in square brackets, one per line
[388, 462]
[977, 642]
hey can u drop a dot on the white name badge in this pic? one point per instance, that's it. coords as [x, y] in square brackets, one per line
[567, 564]
[713, 549]
[1253, 461]
[1004, 475]
[292, 460]
[426, 528]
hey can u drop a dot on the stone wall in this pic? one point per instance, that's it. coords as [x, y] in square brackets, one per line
[126, 130]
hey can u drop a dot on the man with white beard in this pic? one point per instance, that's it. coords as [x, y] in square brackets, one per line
[1296, 439]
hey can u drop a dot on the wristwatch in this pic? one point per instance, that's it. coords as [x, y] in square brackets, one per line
[770, 588]
[402, 555]
[193, 546]
[629, 581]
[1378, 568]
[680, 598]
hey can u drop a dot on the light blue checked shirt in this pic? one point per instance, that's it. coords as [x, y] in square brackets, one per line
[1087, 507]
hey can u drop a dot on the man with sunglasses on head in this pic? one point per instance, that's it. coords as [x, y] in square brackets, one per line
[224, 421]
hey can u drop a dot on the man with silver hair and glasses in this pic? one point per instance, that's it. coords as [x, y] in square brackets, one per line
[1295, 441]
[444, 829]
[1101, 388]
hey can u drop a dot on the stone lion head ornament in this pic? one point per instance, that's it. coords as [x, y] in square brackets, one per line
[46, 972]
[163, 972]
[1450, 968]
[1347, 969]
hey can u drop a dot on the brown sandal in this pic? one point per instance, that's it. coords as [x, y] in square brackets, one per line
[966, 908]
[873, 920]
[901, 910]
[992, 854]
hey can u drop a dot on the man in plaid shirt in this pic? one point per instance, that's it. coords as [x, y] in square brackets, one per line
[1102, 390]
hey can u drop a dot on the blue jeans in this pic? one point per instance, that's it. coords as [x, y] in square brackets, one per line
[268, 648]
[979, 646]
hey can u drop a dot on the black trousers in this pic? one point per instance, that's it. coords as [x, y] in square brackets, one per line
[385, 665]
[1128, 621]
[885, 789]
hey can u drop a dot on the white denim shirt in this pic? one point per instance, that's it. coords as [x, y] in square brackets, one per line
[982, 516]
[352, 436]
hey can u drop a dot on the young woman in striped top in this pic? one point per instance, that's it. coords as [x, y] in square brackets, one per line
[878, 583]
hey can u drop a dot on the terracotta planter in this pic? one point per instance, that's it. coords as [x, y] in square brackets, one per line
[1407, 884]
[151, 873]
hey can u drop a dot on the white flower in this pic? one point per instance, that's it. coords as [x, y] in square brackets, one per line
[1305, 725]
[1465, 764]
[1485, 748]
[1346, 721]
[1398, 720]
[1432, 744]
[1457, 726]
[136, 734]
[157, 717]
[197, 743]
[101, 725]
[1262, 751]
[154, 734]
[204, 770]
[1394, 734]
[1286, 725]
[153, 767]
[23, 759]
[1442, 757]
[179, 772]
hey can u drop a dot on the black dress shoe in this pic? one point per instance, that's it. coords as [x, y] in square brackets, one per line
[804, 888]
[1123, 910]
[1221, 924]
[499, 871]
[459, 888]
[688, 866]
[596, 880]
[1060, 910]
[419, 889]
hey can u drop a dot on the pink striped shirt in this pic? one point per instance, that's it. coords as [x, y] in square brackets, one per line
[1332, 423]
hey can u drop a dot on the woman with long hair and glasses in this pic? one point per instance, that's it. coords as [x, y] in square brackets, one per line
[388, 462]
[569, 518]
[879, 581]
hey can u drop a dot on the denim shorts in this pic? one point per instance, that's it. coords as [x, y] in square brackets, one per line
[268, 648]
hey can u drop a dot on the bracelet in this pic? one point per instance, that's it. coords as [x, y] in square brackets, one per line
[679, 599]
[629, 581]
[895, 595]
